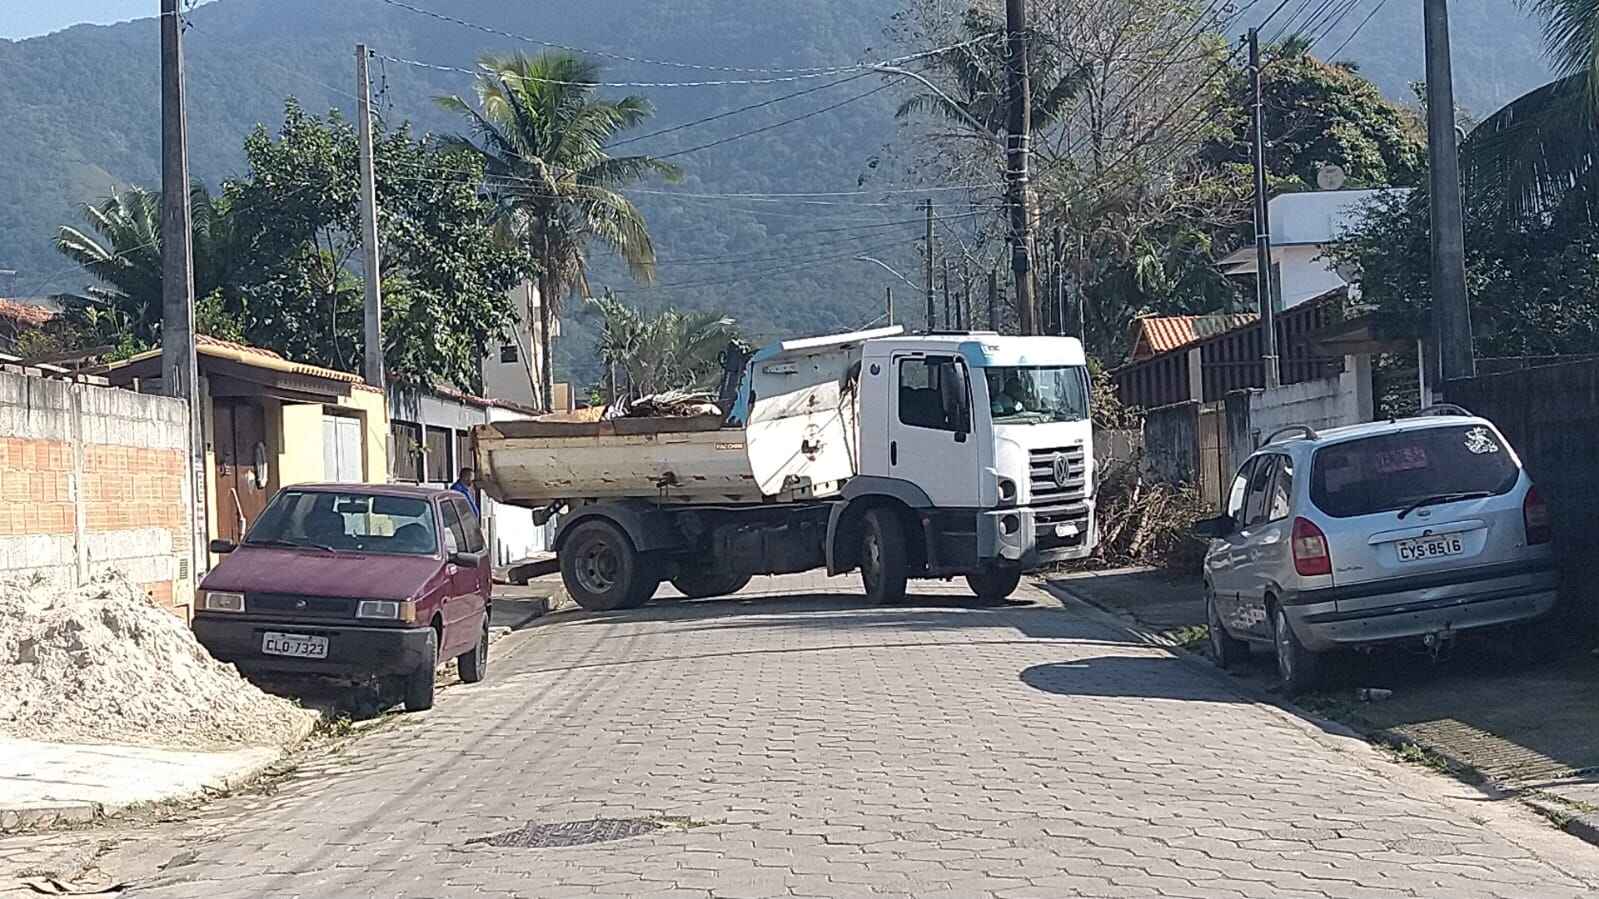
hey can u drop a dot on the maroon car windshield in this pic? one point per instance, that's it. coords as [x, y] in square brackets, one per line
[347, 522]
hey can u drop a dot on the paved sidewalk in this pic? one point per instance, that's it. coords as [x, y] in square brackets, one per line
[1527, 731]
[49, 784]
[794, 742]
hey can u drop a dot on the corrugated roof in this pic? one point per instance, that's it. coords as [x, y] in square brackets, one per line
[1153, 335]
[245, 354]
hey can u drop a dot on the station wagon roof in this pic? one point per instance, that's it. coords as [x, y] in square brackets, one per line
[1373, 428]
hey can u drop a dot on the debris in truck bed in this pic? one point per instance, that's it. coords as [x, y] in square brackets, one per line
[672, 404]
[104, 664]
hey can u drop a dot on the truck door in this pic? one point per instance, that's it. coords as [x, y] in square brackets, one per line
[930, 441]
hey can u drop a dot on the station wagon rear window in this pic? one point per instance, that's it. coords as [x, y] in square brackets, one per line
[1387, 472]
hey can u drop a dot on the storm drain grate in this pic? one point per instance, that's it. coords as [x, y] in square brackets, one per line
[570, 833]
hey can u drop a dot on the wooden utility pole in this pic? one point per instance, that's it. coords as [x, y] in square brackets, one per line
[1018, 143]
[932, 317]
[1268, 318]
[1451, 311]
[947, 319]
[180, 376]
[993, 300]
[373, 309]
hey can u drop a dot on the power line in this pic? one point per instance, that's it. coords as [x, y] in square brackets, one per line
[1369, 16]
[733, 112]
[775, 125]
[806, 72]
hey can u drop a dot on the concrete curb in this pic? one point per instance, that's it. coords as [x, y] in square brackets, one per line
[1580, 824]
[40, 817]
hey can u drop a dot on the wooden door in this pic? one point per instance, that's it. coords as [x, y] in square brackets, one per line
[240, 442]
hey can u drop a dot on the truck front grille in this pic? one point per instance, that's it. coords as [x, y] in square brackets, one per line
[1046, 520]
[1045, 488]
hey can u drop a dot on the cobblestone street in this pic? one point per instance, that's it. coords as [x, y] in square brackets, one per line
[794, 742]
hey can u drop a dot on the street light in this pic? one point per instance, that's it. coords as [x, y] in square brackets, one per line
[889, 313]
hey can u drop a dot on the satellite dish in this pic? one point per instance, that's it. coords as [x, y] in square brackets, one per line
[1330, 176]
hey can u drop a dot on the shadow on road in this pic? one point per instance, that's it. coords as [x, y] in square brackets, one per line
[1525, 724]
[1150, 676]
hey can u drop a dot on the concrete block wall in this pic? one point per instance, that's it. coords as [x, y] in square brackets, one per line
[1320, 404]
[92, 479]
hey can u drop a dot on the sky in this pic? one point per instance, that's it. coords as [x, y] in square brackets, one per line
[31, 18]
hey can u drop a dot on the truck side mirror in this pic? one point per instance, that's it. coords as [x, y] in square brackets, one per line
[958, 401]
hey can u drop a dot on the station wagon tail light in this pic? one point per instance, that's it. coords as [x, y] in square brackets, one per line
[1311, 556]
[221, 601]
[387, 609]
[1535, 513]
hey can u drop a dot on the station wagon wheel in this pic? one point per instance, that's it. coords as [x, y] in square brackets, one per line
[1298, 667]
[1225, 650]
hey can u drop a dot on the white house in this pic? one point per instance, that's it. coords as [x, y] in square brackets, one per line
[1303, 225]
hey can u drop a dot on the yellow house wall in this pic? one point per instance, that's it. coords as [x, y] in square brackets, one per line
[300, 459]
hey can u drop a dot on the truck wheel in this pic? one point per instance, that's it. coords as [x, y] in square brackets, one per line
[474, 665]
[601, 569]
[994, 584]
[645, 583]
[419, 683]
[885, 564]
[706, 583]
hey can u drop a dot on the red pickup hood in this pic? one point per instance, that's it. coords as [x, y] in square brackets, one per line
[316, 573]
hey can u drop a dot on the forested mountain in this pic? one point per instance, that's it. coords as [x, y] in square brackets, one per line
[81, 115]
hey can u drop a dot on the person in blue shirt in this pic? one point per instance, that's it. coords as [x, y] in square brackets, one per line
[464, 485]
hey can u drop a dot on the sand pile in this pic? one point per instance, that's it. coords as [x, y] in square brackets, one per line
[102, 663]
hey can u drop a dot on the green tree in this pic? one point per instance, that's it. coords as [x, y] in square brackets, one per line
[540, 134]
[122, 251]
[1317, 113]
[445, 273]
[1534, 286]
[1528, 154]
[669, 350]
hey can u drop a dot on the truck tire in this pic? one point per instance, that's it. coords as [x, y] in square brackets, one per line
[602, 570]
[419, 684]
[706, 583]
[885, 560]
[995, 584]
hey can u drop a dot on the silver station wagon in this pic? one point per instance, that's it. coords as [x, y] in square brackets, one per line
[1409, 530]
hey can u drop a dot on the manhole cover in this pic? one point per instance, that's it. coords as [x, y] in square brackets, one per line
[570, 833]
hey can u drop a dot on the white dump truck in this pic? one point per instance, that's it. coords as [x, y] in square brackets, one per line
[904, 456]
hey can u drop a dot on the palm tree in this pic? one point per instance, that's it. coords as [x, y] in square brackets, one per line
[671, 350]
[541, 130]
[1525, 157]
[977, 68]
[123, 253]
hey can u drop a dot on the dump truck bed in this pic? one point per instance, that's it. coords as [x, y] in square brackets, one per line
[680, 460]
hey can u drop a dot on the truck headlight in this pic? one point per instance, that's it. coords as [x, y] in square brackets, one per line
[387, 609]
[1007, 490]
[221, 601]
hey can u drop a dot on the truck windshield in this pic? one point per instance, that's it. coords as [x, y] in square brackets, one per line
[1036, 395]
[347, 522]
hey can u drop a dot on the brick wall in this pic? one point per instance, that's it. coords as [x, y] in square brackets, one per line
[92, 479]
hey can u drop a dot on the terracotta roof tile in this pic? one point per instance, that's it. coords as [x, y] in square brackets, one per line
[1153, 335]
[24, 313]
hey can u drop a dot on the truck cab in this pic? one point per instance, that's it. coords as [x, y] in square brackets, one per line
[979, 445]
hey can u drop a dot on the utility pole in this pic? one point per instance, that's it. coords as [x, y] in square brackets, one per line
[932, 321]
[1451, 312]
[993, 300]
[1268, 310]
[1017, 145]
[180, 375]
[889, 291]
[947, 319]
[373, 309]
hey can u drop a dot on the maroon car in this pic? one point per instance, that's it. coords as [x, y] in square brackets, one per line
[354, 581]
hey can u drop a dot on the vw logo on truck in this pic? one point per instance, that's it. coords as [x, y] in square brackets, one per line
[1063, 470]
